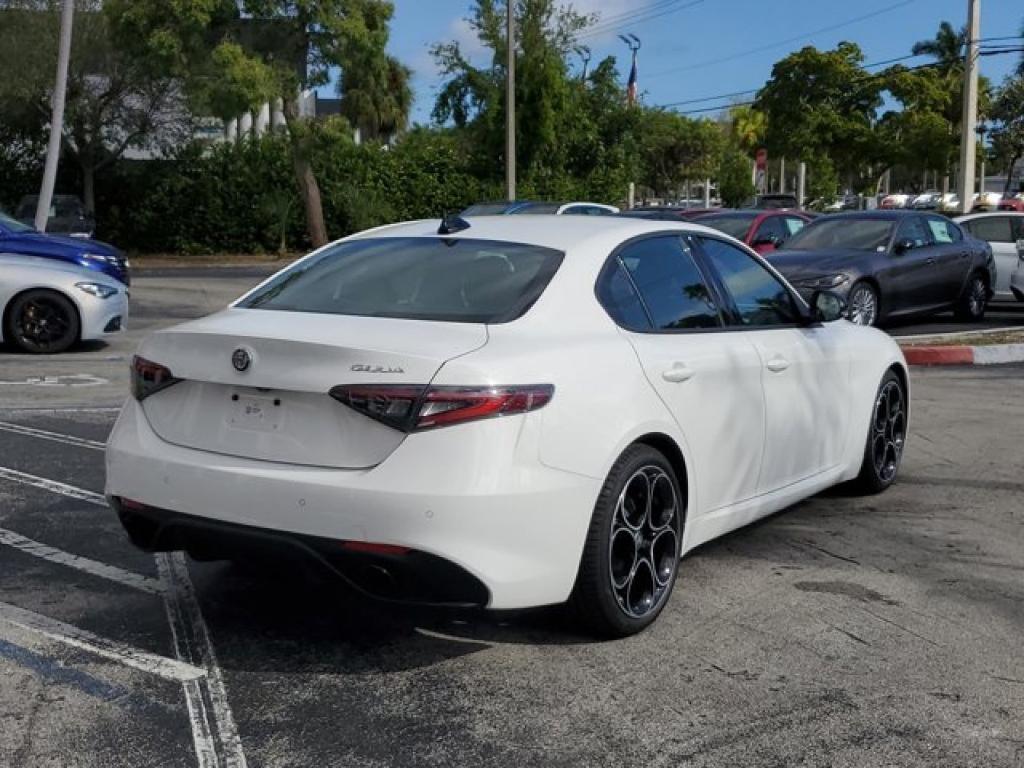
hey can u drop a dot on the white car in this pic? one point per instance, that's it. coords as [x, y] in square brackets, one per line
[1004, 231]
[504, 414]
[48, 305]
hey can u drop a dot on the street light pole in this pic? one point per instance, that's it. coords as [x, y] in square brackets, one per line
[510, 106]
[969, 123]
[57, 116]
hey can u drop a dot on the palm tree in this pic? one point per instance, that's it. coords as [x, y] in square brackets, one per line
[749, 127]
[376, 97]
[947, 48]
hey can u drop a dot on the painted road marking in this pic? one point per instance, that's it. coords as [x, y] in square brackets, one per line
[216, 739]
[84, 564]
[161, 666]
[52, 486]
[58, 437]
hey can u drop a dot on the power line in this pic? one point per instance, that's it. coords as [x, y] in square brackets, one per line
[637, 17]
[769, 46]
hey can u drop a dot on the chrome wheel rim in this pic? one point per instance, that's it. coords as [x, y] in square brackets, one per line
[643, 549]
[977, 298]
[863, 306]
[42, 323]
[888, 431]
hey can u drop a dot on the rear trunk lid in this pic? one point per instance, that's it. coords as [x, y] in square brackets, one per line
[278, 407]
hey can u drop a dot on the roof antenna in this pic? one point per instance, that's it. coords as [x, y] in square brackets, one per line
[452, 224]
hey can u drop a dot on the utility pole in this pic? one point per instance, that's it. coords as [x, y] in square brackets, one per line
[969, 123]
[801, 185]
[510, 105]
[57, 117]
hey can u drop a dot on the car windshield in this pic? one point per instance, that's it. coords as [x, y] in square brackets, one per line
[733, 224]
[537, 208]
[420, 278]
[13, 225]
[846, 233]
[487, 209]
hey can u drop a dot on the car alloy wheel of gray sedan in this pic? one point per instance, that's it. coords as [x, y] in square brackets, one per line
[863, 305]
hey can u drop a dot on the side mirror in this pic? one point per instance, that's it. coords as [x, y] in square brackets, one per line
[827, 306]
[902, 246]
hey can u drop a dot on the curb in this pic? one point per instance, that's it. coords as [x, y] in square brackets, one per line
[964, 355]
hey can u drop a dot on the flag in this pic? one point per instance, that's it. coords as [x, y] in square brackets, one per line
[631, 85]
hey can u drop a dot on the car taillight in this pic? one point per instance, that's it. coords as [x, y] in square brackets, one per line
[149, 377]
[412, 408]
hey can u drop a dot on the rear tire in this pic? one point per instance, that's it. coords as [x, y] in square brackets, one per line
[42, 321]
[974, 301]
[887, 435]
[631, 554]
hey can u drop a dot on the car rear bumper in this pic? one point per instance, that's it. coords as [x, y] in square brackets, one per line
[472, 500]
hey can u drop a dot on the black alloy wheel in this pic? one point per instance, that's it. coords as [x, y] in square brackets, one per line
[631, 555]
[974, 300]
[887, 436]
[42, 322]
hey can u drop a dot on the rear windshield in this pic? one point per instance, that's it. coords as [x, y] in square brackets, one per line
[734, 225]
[421, 278]
[537, 208]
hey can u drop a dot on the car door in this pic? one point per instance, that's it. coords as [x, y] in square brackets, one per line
[768, 235]
[803, 374]
[708, 379]
[952, 260]
[998, 231]
[912, 281]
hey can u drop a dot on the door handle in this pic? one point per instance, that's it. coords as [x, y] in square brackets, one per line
[679, 372]
[777, 364]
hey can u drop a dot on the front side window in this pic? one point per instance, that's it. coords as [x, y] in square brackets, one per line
[794, 224]
[420, 278]
[913, 229]
[760, 298]
[672, 288]
[771, 230]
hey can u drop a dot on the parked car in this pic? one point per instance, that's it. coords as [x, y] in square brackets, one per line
[1015, 203]
[762, 230]
[67, 215]
[843, 203]
[414, 409]
[891, 263]
[48, 305]
[1003, 231]
[773, 201]
[19, 238]
[926, 201]
[534, 207]
[668, 212]
[986, 201]
[899, 200]
[949, 204]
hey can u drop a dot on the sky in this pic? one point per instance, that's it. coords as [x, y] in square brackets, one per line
[692, 49]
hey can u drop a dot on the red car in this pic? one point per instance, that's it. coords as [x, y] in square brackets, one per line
[764, 231]
[1012, 203]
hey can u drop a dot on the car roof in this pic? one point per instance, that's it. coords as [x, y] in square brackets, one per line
[562, 233]
[888, 213]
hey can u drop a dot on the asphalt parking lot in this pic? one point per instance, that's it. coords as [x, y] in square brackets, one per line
[842, 632]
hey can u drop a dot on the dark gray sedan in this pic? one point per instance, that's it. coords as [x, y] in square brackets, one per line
[890, 263]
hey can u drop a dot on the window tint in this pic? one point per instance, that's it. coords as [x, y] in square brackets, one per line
[619, 298]
[672, 288]
[994, 229]
[793, 224]
[759, 296]
[913, 229]
[423, 278]
[734, 225]
[944, 231]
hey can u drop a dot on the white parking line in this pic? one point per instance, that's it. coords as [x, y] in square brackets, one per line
[84, 564]
[169, 669]
[216, 740]
[52, 486]
[57, 437]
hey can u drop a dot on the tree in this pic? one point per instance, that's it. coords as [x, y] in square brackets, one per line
[749, 127]
[241, 53]
[675, 149]
[947, 48]
[734, 183]
[1007, 134]
[821, 104]
[112, 104]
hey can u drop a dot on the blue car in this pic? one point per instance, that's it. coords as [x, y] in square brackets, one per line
[22, 239]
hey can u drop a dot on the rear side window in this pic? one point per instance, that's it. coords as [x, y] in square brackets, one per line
[420, 278]
[619, 298]
[994, 229]
[670, 285]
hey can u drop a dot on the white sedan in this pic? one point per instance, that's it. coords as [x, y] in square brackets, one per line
[47, 305]
[506, 413]
[1004, 231]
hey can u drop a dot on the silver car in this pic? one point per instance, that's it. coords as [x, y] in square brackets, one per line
[49, 305]
[1004, 231]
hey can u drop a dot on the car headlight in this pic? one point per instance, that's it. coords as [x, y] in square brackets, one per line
[829, 281]
[100, 258]
[97, 289]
